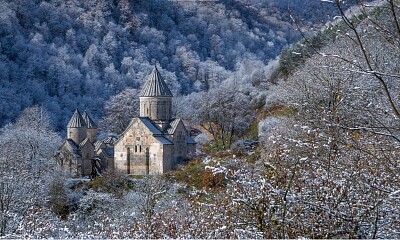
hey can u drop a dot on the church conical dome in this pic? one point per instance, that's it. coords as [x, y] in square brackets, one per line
[155, 86]
[89, 122]
[77, 120]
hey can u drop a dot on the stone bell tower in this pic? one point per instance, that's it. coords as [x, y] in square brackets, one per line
[76, 128]
[91, 131]
[156, 100]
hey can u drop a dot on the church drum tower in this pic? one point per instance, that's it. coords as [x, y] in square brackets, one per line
[156, 100]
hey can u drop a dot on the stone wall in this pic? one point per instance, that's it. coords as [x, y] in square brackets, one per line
[180, 146]
[76, 134]
[138, 152]
[159, 108]
[87, 154]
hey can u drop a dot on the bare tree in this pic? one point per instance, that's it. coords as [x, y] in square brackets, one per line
[151, 190]
[226, 111]
[26, 164]
[338, 157]
[119, 111]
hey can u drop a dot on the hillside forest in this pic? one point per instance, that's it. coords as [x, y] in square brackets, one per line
[67, 54]
[299, 111]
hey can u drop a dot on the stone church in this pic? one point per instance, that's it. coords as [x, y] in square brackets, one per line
[77, 151]
[153, 143]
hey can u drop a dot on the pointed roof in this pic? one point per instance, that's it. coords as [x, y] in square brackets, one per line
[89, 122]
[76, 120]
[173, 125]
[149, 124]
[155, 86]
[109, 140]
[73, 147]
[84, 142]
[98, 145]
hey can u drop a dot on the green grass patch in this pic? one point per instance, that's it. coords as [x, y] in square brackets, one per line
[113, 182]
[196, 176]
[191, 174]
[283, 111]
[96, 184]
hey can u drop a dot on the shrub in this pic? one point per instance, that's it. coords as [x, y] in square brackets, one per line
[212, 180]
[58, 197]
[111, 181]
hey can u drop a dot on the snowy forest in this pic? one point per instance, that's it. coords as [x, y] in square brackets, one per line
[299, 109]
[67, 54]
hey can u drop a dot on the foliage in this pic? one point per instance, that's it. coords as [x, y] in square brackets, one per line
[296, 54]
[26, 157]
[119, 110]
[64, 55]
[58, 198]
[111, 181]
[226, 111]
[341, 143]
[197, 175]
[328, 165]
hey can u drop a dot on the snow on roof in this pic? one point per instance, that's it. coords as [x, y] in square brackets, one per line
[84, 142]
[173, 124]
[97, 145]
[155, 86]
[89, 122]
[110, 140]
[76, 120]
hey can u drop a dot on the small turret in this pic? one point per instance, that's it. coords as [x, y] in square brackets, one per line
[76, 128]
[91, 131]
[156, 100]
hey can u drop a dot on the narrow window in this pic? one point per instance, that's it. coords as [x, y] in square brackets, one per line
[135, 148]
[140, 148]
